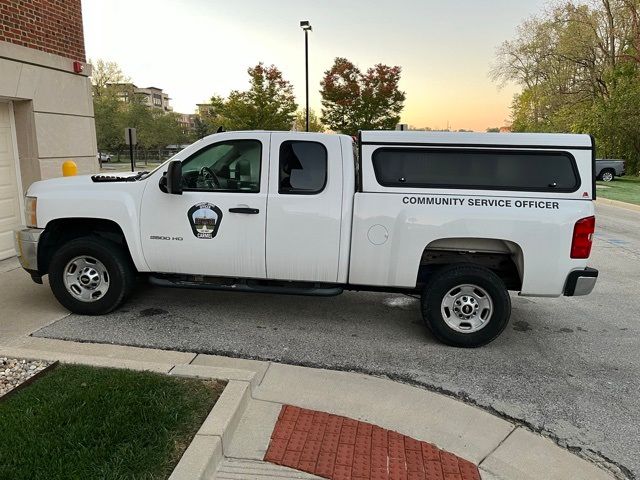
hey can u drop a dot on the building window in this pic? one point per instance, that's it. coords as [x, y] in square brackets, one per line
[303, 167]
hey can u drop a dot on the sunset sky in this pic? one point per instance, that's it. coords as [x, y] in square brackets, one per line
[196, 48]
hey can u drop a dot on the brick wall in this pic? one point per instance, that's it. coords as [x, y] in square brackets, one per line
[53, 26]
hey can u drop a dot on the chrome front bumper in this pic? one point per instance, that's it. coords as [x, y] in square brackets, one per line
[580, 282]
[26, 243]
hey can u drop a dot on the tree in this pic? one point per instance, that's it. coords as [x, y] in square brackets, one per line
[300, 122]
[108, 109]
[104, 74]
[352, 100]
[269, 104]
[493, 129]
[159, 129]
[579, 68]
[116, 107]
[201, 128]
[109, 134]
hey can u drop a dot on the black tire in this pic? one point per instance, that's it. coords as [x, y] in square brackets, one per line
[605, 177]
[451, 276]
[120, 272]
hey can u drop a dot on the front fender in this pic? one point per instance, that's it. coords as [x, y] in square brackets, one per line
[81, 198]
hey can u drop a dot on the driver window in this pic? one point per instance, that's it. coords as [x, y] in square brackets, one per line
[231, 166]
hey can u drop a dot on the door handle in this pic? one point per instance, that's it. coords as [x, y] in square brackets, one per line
[247, 210]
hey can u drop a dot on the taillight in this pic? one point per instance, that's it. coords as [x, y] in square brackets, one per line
[583, 237]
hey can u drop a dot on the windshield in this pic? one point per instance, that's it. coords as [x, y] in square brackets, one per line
[163, 164]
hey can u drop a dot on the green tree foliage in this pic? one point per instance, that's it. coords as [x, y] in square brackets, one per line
[352, 100]
[155, 128]
[106, 104]
[107, 111]
[268, 104]
[300, 122]
[104, 75]
[579, 68]
[202, 128]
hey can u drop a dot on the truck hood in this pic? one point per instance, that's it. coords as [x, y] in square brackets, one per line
[75, 182]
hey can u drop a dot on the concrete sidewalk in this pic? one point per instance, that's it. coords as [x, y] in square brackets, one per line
[240, 431]
[234, 439]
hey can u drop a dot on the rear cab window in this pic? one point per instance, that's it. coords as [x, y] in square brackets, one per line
[302, 168]
[539, 171]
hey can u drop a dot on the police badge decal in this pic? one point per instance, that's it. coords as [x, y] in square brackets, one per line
[205, 219]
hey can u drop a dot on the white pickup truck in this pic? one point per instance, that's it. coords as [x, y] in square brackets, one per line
[459, 218]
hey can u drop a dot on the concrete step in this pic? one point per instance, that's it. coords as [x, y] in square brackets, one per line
[237, 469]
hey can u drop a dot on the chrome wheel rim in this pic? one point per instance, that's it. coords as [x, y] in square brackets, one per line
[86, 278]
[466, 308]
[607, 176]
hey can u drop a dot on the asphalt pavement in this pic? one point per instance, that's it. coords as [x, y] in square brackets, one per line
[566, 367]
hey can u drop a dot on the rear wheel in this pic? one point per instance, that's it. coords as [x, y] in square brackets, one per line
[91, 276]
[607, 175]
[466, 305]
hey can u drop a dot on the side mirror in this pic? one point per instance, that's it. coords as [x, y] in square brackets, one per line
[171, 180]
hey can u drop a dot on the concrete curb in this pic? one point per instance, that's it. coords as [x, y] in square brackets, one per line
[618, 203]
[524, 452]
[95, 361]
[226, 413]
[202, 457]
[200, 371]
[200, 460]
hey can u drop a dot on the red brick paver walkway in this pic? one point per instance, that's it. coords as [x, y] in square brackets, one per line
[341, 448]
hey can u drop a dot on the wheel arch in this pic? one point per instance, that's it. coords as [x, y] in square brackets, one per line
[62, 230]
[504, 257]
[607, 169]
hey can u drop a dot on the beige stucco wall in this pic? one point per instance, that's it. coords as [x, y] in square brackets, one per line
[53, 112]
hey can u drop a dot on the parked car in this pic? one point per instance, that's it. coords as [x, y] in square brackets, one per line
[458, 218]
[607, 169]
[104, 157]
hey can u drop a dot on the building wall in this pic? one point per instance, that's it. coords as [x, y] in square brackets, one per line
[46, 99]
[53, 111]
[52, 26]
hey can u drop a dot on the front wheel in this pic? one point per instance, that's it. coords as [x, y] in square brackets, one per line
[91, 276]
[466, 305]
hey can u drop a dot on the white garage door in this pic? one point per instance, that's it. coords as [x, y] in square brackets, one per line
[10, 215]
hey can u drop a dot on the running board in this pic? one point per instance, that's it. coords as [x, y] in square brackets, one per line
[246, 285]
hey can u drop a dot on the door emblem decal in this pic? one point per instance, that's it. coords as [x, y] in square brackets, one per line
[205, 219]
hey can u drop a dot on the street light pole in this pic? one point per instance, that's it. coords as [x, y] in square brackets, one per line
[307, 28]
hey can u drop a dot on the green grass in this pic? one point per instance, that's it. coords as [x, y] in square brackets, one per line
[624, 189]
[79, 422]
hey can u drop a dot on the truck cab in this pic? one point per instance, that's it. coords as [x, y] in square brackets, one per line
[274, 202]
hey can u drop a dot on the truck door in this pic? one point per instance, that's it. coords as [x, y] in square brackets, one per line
[305, 205]
[217, 226]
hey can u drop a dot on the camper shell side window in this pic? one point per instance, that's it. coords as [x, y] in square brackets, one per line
[481, 169]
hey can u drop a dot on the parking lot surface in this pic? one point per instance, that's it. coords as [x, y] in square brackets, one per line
[567, 367]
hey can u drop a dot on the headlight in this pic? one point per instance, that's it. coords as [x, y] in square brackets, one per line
[30, 204]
